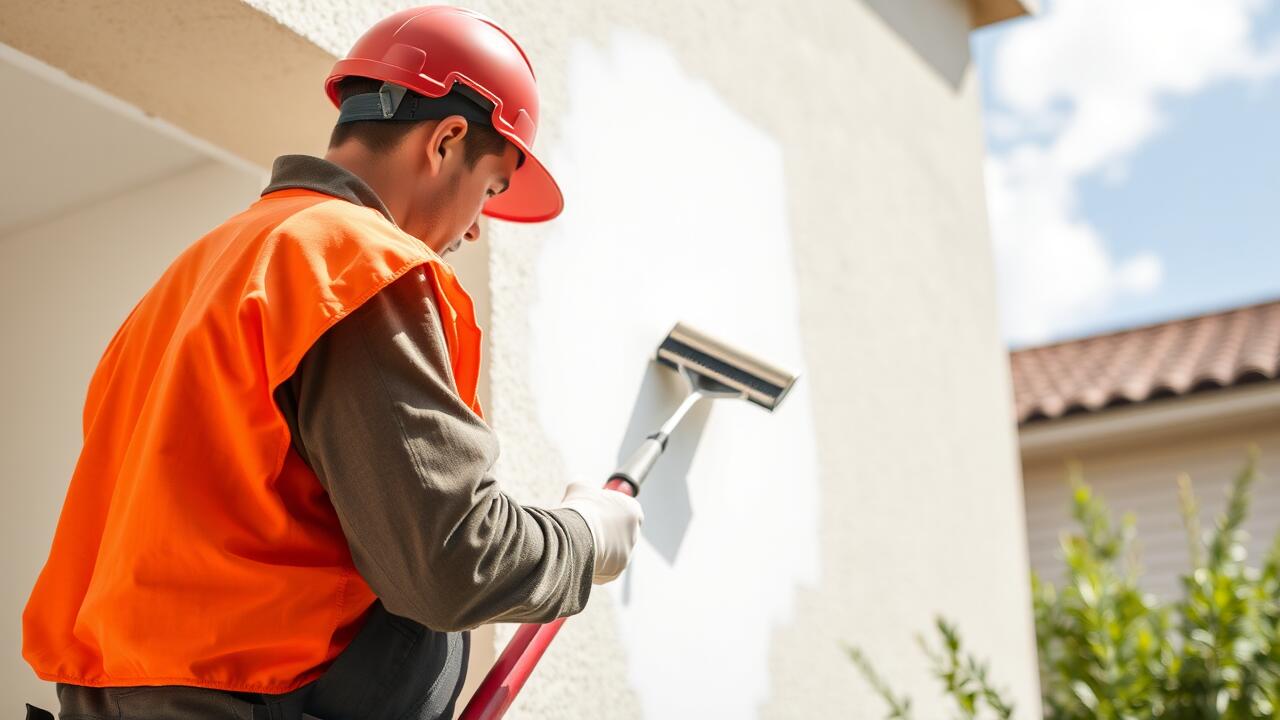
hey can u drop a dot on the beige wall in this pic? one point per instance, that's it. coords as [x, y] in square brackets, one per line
[1138, 475]
[855, 127]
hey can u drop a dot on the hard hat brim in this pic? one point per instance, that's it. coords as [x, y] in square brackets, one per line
[534, 196]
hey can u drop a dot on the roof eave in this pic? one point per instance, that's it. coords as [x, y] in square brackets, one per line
[1234, 406]
[989, 12]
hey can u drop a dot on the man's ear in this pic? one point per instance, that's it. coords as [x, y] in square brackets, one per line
[445, 141]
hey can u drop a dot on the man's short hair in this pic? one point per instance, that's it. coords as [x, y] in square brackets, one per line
[385, 135]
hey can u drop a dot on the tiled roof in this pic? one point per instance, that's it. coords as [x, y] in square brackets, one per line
[1174, 358]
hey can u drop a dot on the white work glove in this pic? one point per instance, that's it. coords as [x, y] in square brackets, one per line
[614, 518]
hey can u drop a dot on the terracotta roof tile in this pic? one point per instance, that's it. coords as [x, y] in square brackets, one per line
[1173, 358]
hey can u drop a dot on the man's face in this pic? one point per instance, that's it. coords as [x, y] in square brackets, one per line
[453, 197]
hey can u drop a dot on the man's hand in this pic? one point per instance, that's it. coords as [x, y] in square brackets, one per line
[614, 518]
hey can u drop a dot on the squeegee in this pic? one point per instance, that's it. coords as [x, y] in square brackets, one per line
[713, 370]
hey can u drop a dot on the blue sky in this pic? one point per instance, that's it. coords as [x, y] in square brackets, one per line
[1170, 209]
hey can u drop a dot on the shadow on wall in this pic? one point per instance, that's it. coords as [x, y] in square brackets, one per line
[677, 609]
[665, 497]
[937, 43]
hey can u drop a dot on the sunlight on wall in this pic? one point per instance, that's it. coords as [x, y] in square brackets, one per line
[678, 212]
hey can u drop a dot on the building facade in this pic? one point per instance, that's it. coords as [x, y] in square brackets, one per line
[1139, 408]
[803, 179]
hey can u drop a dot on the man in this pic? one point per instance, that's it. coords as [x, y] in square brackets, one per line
[283, 503]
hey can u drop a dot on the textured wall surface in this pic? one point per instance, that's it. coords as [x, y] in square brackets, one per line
[712, 247]
[867, 118]
[820, 163]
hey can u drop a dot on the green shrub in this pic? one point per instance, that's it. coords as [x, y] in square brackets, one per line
[1109, 651]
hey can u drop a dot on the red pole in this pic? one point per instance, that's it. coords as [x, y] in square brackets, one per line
[509, 673]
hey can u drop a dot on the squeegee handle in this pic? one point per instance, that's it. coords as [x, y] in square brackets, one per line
[507, 676]
[637, 467]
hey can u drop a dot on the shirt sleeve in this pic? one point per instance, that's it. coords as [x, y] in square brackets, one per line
[374, 411]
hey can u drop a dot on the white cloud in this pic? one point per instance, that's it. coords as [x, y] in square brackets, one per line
[1077, 91]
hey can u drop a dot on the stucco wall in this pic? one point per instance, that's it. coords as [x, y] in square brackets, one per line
[803, 178]
[834, 209]
[68, 283]
[1140, 477]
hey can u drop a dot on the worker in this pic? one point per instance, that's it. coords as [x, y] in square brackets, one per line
[284, 505]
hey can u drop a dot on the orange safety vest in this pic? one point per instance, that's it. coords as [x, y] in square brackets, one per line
[195, 547]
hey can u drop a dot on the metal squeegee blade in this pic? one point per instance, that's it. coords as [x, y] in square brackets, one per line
[761, 383]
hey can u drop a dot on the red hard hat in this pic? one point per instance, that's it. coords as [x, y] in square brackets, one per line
[427, 50]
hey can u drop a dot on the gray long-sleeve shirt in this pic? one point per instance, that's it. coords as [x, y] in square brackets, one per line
[374, 411]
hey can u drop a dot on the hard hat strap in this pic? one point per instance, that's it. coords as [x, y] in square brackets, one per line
[393, 102]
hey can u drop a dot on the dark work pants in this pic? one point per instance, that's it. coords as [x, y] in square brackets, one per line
[395, 669]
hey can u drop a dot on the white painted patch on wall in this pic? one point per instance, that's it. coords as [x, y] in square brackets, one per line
[676, 210]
